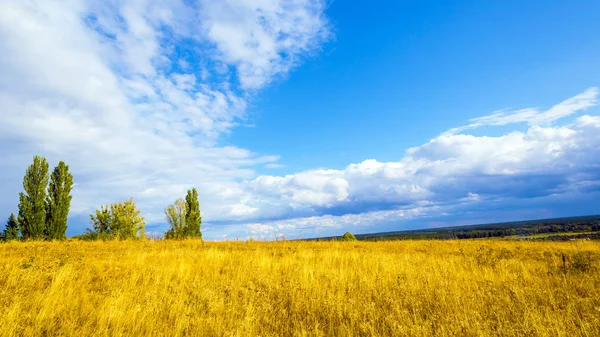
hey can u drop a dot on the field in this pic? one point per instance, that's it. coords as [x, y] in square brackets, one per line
[550, 235]
[290, 288]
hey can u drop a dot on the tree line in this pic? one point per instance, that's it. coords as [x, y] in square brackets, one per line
[44, 206]
[461, 233]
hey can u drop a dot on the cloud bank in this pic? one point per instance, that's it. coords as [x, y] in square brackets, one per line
[449, 172]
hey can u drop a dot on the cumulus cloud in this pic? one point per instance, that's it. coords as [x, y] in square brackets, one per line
[451, 169]
[134, 95]
[263, 39]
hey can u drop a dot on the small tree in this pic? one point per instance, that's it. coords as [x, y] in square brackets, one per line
[126, 221]
[101, 221]
[32, 203]
[59, 201]
[12, 229]
[120, 220]
[348, 237]
[176, 215]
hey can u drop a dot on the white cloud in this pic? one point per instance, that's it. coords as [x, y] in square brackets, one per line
[106, 87]
[449, 169]
[534, 116]
[326, 225]
[263, 38]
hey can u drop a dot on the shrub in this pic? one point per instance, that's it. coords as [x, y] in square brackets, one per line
[348, 237]
[119, 220]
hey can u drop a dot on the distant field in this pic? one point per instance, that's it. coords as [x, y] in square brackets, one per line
[548, 235]
[552, 227]
[299, 288]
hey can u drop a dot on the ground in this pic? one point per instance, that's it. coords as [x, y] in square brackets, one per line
[290, 288]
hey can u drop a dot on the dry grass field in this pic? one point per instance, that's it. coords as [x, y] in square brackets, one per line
[401, 288]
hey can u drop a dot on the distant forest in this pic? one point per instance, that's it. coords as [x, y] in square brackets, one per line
[581, 224]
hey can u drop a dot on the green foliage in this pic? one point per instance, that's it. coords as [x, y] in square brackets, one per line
[348, 237]
[582, 261]
[119, 220]
[184, 217]
[59, 201]
[12, 229]
[176, 215]
[193, 218]
[91, 235]
[126, 221]
[32, 203]
[101, 221]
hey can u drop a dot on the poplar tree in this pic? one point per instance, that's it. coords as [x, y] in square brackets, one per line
[193, 218]
[32, 203]
[12, 229]
[59, 201]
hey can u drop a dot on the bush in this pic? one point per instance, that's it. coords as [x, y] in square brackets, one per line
[582, 261]
[120, 220]
[90, 235]
[348, 237]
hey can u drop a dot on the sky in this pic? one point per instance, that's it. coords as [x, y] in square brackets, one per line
[306, 118]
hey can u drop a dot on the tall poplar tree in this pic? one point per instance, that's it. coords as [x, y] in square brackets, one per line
[12, 229]
[32, 203]
[193, 219]
[58, 201]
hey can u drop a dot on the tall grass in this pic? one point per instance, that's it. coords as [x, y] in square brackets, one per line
[402, 288]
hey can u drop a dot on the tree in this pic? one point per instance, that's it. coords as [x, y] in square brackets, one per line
[348, 237]
[126, 222]
[120, 220]
[58, 201]
[12, 229]
[176, 215]
[101, 221]
[193, 217]
[32, 203]
[184, 217]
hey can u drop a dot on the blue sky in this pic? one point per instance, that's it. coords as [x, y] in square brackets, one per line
[307, 118]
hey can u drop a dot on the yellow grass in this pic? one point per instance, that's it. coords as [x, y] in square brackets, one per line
[402, 288]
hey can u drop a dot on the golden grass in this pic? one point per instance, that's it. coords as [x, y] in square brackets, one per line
[401, 288]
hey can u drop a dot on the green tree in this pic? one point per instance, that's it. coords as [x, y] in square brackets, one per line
[32, 203]
[120, 220]
[176, 215]
[12, 229]
[193, 217]
[126, 222]
[348, 237]
[58, 201]
[101, 221]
